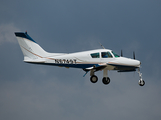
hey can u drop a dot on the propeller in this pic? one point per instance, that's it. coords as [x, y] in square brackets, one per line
[121, 54]
[133, 55]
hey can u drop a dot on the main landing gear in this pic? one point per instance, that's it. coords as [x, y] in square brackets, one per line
[141, 81]
[94, 78]
[106, 80]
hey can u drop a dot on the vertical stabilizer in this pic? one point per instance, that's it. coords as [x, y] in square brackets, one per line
[29, 47]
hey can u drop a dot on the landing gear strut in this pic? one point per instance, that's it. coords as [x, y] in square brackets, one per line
[106, 79]
[141, 81]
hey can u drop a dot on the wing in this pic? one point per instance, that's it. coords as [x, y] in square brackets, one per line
[96, 67]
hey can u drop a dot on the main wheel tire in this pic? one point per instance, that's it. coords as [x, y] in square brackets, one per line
[94, 78]
[106, 80]
[141, 82]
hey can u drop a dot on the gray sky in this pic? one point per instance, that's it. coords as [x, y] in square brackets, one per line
[35, 92]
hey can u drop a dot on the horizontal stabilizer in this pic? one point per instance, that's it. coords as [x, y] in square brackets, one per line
[29, 60]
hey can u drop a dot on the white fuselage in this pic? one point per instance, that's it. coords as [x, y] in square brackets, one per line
[85, 59]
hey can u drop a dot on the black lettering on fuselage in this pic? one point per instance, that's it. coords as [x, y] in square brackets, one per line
[65, 61]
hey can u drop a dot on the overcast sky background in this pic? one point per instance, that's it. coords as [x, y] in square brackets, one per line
[35, 92]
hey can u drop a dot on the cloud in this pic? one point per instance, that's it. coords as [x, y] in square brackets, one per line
[7, 33]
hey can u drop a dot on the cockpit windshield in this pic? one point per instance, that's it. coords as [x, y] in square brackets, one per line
[115, 54]
[106, 55]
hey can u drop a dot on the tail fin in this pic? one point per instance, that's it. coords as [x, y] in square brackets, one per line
[30, 49]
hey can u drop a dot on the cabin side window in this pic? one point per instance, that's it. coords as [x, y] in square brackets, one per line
[95, 55]
[106, 55]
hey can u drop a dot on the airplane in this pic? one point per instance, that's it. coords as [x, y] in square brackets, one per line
[89, 61]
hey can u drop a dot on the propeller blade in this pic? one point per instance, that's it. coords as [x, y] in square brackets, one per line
[134, 55]
[121, 54]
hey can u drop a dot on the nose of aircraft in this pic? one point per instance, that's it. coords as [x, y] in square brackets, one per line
[132, 62]
[136, 63]
[128, 62]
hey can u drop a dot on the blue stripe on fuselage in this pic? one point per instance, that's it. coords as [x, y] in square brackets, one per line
[82, 66]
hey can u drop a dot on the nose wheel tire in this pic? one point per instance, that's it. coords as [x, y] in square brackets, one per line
[94, 78]
[141, 82]
[106, 80]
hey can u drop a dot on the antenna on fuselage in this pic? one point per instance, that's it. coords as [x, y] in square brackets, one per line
[101, 45]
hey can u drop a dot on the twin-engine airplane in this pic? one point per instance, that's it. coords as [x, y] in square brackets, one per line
[90, 61]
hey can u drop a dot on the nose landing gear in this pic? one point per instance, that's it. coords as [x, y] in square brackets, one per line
[141, 81]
